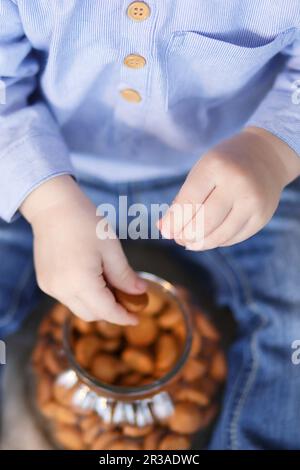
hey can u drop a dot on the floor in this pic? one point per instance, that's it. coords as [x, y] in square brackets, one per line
[19, 429]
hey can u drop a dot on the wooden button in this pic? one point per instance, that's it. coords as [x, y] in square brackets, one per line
[131, 95]
[135, 61]
[138, 11]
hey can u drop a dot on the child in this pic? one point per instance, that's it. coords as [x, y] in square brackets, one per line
[187, 97]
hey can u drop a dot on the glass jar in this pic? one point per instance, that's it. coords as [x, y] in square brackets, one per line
[152, 387]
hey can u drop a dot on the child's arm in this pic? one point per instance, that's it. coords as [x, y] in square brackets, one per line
[32, 149]
[239, 183]
[70, 260]
[71, 263]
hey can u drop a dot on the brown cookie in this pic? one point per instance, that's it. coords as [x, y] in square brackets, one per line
[218, 367]
[174, 442]
[143, 334]
[166, 352]
[194, 369]
[108, 330]
[186, 419]
[44, 389]
[105, 368]
[205, 326]
[124, 444]
[86, 348]
[192, 395]
[132, 303]
[104, 440]
[138, 360]
[69, 437]
[156, 301]
[170, 316]
[136, 431]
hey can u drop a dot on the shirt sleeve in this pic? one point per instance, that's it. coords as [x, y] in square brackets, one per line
[32, 149]
[279, 112]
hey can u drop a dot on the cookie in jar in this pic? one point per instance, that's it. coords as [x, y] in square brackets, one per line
[152, 386]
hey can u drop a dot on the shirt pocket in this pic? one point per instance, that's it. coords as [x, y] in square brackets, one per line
[203, 68]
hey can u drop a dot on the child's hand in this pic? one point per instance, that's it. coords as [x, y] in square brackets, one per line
[71, 263]
[237, 188]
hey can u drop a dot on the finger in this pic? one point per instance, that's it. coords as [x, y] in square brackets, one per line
[212, 214]
[79, 309]
[117, 270]
[232, 224]
[101, 304]
[193, 232]
[179, 242]
[215, 210]
[177, 217]
[189, 199]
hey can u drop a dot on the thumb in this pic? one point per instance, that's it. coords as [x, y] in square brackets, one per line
[117, 270]
[186, 204]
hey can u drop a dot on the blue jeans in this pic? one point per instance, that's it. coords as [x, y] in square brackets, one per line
[258, 279]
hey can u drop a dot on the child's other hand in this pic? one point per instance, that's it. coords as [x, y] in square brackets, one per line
[237, 187]
[71, 263]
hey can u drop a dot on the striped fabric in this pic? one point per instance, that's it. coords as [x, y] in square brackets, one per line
[212, 67]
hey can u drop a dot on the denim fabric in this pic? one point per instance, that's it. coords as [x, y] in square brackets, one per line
[259, 279]
[212, 68]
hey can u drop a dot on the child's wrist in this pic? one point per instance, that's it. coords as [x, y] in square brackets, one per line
[277, 150]
[56, 192]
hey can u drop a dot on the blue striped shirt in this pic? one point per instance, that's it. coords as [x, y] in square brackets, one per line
[209, 68]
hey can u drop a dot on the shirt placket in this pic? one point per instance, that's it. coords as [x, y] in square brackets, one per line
[136, 59]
